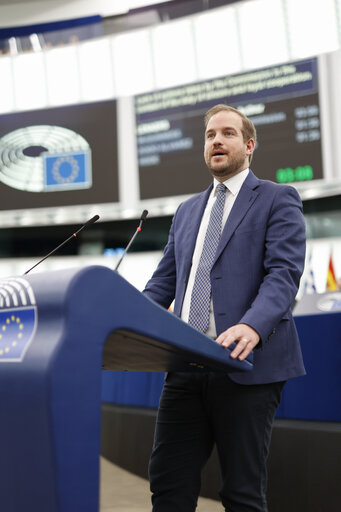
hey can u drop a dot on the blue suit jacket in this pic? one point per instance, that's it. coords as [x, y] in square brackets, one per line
[255, 275]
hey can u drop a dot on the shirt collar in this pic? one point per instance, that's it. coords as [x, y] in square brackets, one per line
[233, 184]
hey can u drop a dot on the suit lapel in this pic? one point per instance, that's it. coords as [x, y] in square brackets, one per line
[242, 204]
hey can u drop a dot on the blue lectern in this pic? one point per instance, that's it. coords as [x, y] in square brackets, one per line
[57, 331]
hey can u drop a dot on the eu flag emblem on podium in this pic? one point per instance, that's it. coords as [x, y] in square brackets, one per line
[67, 171]
[17, 327]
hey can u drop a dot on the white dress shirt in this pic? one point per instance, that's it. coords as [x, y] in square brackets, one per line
[233, 186]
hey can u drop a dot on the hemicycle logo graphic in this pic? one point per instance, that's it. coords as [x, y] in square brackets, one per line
[18, 319]
[45, 158]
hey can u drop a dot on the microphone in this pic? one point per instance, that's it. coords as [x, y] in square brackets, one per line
[138, 229]
[90, 221]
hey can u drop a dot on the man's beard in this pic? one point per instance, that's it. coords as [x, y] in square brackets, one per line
[235, 165]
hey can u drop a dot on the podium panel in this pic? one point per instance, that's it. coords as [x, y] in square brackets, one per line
[317, 395]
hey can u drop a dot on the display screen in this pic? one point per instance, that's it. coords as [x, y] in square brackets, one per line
[283, 103]
[59, 156]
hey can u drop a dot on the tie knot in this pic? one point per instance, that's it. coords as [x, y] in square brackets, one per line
[221, 188]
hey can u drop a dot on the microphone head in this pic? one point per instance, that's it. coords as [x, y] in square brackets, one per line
[144, 215]
[92, 220]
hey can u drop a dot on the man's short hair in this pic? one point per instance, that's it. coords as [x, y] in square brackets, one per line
[248, 128]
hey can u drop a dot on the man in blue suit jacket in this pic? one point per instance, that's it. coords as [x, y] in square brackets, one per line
[253, 281]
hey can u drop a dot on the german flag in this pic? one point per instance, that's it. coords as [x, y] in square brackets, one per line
[331, 279]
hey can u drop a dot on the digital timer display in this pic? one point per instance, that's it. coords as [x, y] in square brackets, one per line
[301, 173]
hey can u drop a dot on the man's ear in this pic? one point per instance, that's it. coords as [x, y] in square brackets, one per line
[250, 146]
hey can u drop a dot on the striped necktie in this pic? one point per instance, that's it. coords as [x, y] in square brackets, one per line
[199, 312]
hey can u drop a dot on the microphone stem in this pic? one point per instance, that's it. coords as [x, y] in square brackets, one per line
[74, 235]
[49, 254]
[127, 248]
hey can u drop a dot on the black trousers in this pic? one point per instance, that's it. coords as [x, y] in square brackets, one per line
[196, 411]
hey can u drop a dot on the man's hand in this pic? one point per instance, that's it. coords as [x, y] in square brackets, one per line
[245, 338]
